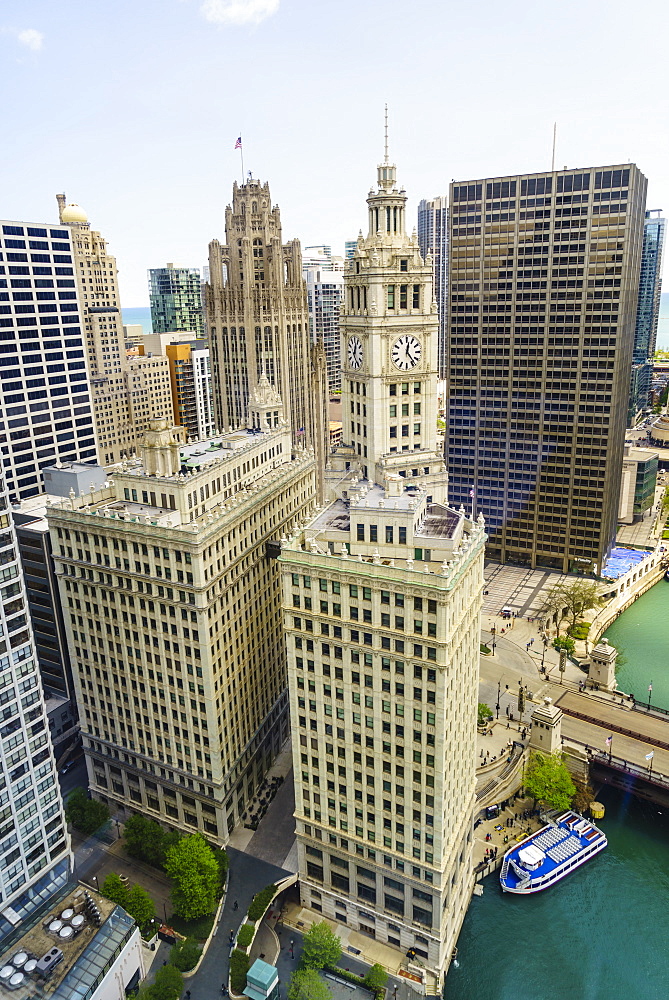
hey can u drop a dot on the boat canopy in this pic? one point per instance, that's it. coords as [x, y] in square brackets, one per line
[531, 857]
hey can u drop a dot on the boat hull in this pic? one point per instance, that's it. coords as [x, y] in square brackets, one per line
[559, 875]
[550, 854]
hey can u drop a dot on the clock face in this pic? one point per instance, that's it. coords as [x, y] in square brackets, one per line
[354, 352]
[406, 352]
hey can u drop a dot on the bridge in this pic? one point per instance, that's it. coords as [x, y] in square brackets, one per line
[635, 733]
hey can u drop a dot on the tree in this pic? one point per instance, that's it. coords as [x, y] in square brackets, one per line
[548, 781]
[553, 606]
[306, 984]
[144, 839]
[192, 866]
[376, 978]
[185, 955]
[83, 813]
[579, 597]
[140, 905]
[168, 984]
[484, 713]
[320, 947]
[114, 889]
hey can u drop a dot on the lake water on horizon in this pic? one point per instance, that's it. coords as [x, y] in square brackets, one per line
[138, 314]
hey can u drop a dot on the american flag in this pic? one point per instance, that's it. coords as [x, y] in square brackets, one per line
[238, 144]
[609, 740]
[471, 493]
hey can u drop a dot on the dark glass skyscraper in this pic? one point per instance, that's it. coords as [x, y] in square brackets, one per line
[648, 311]
[433, 239]
[543, 281]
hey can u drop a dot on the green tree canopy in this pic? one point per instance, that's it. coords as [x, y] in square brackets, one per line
[168, 984]
[193, 868]
[114, 889]
[306, 984]
[376, 978]
[140, 905]
[147, 840]
[484, 713]
[579, 597]
[320, 947]
[83, 813]
[548, 781]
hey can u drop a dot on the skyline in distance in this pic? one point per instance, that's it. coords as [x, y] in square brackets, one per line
[130, 116]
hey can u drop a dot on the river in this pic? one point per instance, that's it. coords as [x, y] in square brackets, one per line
[602, 933]
[642, 635]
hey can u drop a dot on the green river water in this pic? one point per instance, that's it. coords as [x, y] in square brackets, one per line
[603, 932]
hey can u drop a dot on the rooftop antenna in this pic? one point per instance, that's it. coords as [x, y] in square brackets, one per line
[386, 134]
[554, 138]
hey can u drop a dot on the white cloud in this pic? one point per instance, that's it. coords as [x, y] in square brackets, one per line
[238, 11]
[31, 38]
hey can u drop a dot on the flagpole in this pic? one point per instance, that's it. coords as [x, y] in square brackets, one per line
[241, 153]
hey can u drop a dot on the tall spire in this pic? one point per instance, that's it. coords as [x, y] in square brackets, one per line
[386, 171]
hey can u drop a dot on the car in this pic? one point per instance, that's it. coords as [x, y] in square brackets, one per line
[67, 767]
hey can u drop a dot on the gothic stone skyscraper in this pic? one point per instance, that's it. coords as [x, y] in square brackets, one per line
[257, 314]
[381, 608]
[544, 275]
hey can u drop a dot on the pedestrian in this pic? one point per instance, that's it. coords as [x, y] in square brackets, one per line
[187, 994]
[236, 906]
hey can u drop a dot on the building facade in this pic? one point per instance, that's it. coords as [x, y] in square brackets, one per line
[325, 289]
[433, 240]
[175, 295]
[648, 313]
[45, 399]
[35, 856]
[382, 592]
[637, 488]
[172, 611]
[190, 379]
[126, 392]
[257, 314]
[544, 273]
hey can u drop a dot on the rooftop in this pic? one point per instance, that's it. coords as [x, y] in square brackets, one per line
[64, 948]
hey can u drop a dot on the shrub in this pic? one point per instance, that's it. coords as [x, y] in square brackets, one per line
[245, 935]
[579, 631]
[260, 902]
[185, 955]
[239, 966]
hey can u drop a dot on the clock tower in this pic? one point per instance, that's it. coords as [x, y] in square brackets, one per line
[389, 328]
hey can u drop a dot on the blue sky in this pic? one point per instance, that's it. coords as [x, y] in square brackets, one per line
[133, 108]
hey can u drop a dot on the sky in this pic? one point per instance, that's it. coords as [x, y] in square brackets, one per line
[132, 108]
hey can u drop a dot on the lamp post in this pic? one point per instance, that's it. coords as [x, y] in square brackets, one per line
[650, 692]
[543, 654]
[493, 632]
[292, 955]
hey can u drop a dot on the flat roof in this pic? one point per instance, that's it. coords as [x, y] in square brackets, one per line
[95, 929]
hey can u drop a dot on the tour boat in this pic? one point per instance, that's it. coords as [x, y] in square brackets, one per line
[542, 859]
